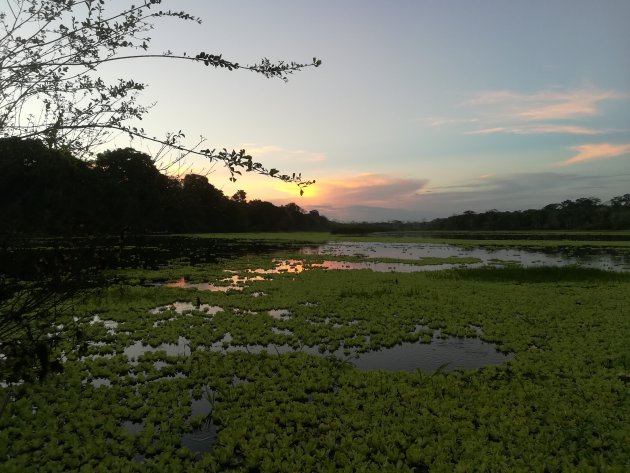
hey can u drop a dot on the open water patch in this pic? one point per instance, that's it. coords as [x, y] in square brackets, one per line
[279, 314]
[204, 431]
[441, 353]
[597, 258]
[182, 347]
[299, 266]
[181, 307]
[444, 354]
[110, 325]
[201, 440]
[181, 283]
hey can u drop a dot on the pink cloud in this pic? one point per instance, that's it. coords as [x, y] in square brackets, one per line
[371, 189]
[544, 105]
[537, 130]
[590, 152]
[375, 190]
[489, 131]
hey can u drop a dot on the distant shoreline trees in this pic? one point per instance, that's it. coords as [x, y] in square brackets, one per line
[45, 191]
[586, 213]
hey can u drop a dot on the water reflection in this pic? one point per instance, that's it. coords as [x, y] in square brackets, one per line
[604, 258]
[181, 307]
[202, 439]
[182, 347]
[183, 284]
[280, 314]
[446, 354]
[299, 266]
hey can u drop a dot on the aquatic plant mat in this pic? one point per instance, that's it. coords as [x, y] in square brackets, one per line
[277, 372]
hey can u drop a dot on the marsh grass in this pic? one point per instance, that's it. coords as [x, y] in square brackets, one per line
[516, 274]
[534, 240]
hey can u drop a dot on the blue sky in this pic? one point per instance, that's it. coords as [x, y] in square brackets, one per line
[420, 109]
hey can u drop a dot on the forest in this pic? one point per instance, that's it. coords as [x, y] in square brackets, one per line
[585, 213]
[47, 191]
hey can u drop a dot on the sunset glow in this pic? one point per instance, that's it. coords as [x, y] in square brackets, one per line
[412, 102]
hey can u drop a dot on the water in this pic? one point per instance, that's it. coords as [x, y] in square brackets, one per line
[138, 348]
[605, 259]
[441, 354]
[183, 284]
[181, 307]
[447, 354]
[202, 439]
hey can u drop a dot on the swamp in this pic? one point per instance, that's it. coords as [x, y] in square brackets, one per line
[320, 352]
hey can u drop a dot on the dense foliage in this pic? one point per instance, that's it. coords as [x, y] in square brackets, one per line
[47, 191]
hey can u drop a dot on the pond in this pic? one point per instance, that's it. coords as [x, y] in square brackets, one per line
[596, 258]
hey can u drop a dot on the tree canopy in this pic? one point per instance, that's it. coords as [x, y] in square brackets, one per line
[50, 88]
[49, 192]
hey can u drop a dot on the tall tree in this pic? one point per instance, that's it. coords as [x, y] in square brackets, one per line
[50, 54]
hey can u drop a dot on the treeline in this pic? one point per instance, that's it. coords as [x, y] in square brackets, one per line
[46, 191]
[586, 213]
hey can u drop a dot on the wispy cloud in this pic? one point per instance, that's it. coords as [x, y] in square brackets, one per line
[567, 105]
[595, 151]
[375, 197]
[537, 130]
[450, 121]
[488, 131]
[546, 104]
[551, 111]
[284, 154]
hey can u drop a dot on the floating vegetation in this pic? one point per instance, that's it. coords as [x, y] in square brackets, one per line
[110, 325]
[280, 314]
[183, 307]
[137, 349]
[489, 369]
[183, 284]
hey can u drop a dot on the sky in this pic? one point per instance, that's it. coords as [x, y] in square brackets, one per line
[420, 109]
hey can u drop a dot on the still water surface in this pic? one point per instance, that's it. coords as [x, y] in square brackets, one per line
[604, 258]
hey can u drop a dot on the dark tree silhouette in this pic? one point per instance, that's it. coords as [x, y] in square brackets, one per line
[240, 196]
[204, 206]
[55, 108]
[132, 188]
[50, 54]
[49, 192]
